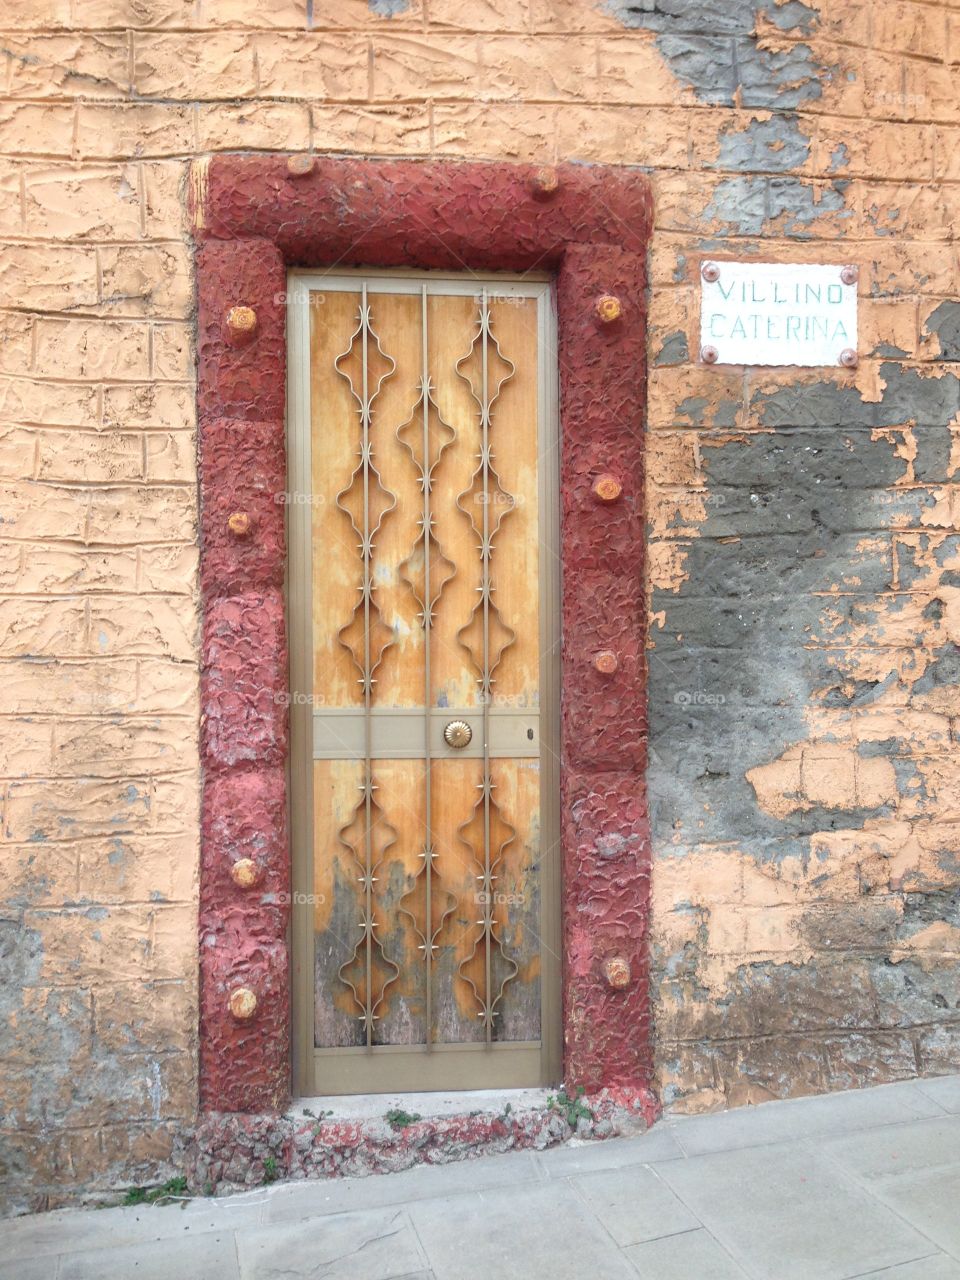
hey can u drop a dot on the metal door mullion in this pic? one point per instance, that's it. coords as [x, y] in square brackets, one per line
[367, 674]
[428, 853]
[487, 684]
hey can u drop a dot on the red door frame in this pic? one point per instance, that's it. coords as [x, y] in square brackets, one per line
[255, 217]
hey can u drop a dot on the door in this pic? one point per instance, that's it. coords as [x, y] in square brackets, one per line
[423, 592]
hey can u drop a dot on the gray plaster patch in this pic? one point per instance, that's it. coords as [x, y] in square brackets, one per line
[802, 203]
[773, 145]
[945, 323]
[673, 350]
[742, 649]
[388, 8]
[730, 58]
[741, 203]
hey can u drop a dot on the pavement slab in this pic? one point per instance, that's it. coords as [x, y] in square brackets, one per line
[855, 1186]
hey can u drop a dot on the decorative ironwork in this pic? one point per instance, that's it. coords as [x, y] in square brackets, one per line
[367, 502]
[426, 443]
[486, 637]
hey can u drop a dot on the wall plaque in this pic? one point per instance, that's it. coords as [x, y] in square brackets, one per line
[778, 313]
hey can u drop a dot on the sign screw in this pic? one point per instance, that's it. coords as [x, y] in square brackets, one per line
[608, 308]
[241, 325]
[849, 358]
[606, 662]
[710, 272]
[607, 488]
[300, 166]
[243, 1003]
[239, 524]
[616, 970]
[544, 183]
[245, 873]
[709, 355]
[850, 274]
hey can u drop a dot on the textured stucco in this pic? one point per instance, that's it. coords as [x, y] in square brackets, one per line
[802, 556]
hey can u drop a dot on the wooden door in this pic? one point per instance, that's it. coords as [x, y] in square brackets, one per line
[423, 599]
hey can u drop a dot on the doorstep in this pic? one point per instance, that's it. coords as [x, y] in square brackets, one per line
[354, 1136]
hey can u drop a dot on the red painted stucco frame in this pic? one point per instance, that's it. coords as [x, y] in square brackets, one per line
[254, 218]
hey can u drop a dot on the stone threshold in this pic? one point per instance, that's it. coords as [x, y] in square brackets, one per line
[355, 1136]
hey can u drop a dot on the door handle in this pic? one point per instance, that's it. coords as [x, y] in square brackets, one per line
[457, 734]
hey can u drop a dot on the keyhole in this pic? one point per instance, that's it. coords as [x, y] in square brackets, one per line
[530, 734]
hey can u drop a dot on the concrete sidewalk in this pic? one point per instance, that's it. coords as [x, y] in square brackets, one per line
[862, 1184]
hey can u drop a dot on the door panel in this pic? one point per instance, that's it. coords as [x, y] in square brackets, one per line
[423, 595]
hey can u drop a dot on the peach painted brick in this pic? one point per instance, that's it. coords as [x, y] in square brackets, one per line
[313, 65]
[43, 876]
[166, 686]
[131, 130]
[141, 280]
[37, 129]
[26, 747]
[631, 70]
[414, 66]
[172, 352]
[536, 68]
[603, 135]
[479, 129]
[96, 203]
[32, 510]
[17, 334]
[178, 66]
[48, 403]
[379, 130]
[89, 456]
[42, 627]
[75, 65]
[94, 349]
[169, 569]
[905, 27]
[170, 456]
[269, 126]
[49, 277]
[164, 213]
[123, 746]
[149, 405]
[129, 625]
[56, 687]
[128, 515]
[47, 569]
[18, 453]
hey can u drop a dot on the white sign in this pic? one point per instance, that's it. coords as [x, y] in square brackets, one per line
[778, 313]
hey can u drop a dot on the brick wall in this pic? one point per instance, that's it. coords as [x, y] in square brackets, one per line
[804, 566]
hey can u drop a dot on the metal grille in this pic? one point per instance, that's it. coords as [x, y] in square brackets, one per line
[430, 944]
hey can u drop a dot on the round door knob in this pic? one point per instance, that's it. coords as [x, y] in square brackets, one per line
[457, 734]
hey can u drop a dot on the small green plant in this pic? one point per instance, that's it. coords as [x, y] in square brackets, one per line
[572, 1109]
[271, 1171]
[172, 1189]
[396, 1118]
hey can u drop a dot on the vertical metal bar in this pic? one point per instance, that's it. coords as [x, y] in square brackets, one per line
[368, 767]
[487, 690]
[427, 622]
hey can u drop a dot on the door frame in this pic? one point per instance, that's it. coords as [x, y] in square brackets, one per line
[299, 613]
[256, 217]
